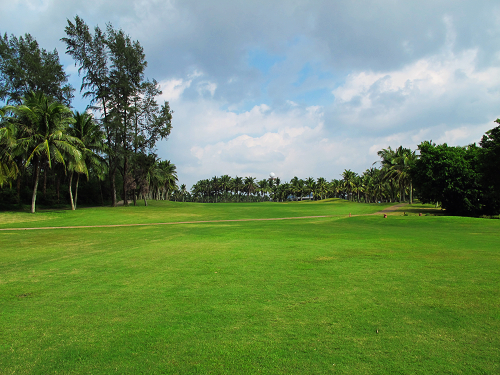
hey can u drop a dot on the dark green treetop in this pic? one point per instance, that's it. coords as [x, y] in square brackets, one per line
[25, 67]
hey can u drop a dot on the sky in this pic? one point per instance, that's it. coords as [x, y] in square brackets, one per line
[298, 88]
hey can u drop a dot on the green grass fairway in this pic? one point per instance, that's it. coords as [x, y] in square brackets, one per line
[164, 212]
[339, 294]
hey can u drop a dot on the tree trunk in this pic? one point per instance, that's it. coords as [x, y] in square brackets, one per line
[113, 186]
[44, 182]
[76, 188]
[18, 187]
[100, 189]
[125, 188]
[71, 192]
[33, 198]
[58, 187]
[411, 192]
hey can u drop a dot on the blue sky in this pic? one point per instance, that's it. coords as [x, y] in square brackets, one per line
[298, 88]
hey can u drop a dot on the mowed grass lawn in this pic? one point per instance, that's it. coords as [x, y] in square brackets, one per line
[346, 295]
[166, 212]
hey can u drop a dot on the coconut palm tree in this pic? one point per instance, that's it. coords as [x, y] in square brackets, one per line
[396, 166]
[284, 191]
[358, 186]
[92, 138]
[44, 139]
[238, 186]
[145, 174]
[335, 187]
[321, 186]
[169, 172]
[263, 188]
[225, 183]
[215, 186]
[8, 142]
[250, 186]
[183, 191]
[400, 170]
[388, 156]
[348, 179]
[297, 187]
[310, 187]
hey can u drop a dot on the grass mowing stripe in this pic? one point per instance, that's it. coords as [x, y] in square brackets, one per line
[171, 223]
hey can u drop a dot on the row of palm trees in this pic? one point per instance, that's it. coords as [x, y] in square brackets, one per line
[38, 135]
[154, 178]
[391, 182]
[42, 136]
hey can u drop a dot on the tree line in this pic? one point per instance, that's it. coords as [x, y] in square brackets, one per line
[112, 143]
[389, 183]
[463, 180]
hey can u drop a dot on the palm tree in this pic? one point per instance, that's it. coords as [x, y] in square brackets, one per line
[8, 142]
[263, 186]
[297, 187]
[270, 184]
[358, 186]
[335, 187]
[183, 191]
[310, 187]
[388, 157]
[145, 171]
[169, 172]
[225, 182]
[275, 187]
[195, 190]
[400, 170]
[284, 191]
[44, 138]
[396, 166]
[368, 181]
[214, 183]
[321, 186]
[238, 186]
[249, 186]
[92, 138]
[348, 177]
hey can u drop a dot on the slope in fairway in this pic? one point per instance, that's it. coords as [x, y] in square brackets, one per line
[296, 296]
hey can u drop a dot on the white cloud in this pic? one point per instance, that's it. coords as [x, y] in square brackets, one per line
[173, 88]
[431, 76]
[444, 84]
[207, 87]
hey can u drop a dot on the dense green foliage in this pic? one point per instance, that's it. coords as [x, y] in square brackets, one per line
[113, 78]
[24, 67]
[465, 180]
[41, 138]
[327, 295]
[490, 170]
[449, 175]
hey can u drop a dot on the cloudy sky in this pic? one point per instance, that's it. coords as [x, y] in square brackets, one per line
[298, 88]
